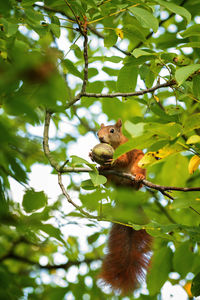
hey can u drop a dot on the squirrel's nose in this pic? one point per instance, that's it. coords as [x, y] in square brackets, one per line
[101, 138]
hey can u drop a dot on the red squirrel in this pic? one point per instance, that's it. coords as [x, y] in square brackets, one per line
[127, 258]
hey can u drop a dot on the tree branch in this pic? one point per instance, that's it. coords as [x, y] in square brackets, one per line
[65, 266]
[85, 78]
[152, 185]
[118, 94]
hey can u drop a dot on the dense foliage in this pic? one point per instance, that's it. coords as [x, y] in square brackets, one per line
[109, 50]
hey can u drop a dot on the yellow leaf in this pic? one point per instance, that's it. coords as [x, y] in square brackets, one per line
[168, 150]
[187, 288]
[120, 33]
[148, 159]
[193, 139]
[4, 54]
[193, 164]
[156, 98]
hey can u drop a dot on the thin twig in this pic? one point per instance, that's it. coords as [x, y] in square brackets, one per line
[65, 266]
[192, 208]
[46, 149]
[162, 209]
[67, 196]
[77, 19]
[85, 54]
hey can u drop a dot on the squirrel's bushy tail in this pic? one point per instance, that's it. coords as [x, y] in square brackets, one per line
[128, 258]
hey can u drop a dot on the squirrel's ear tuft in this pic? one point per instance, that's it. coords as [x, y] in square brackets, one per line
[102, 125]
[119, 123]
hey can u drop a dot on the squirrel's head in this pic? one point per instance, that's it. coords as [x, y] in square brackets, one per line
[111, 134]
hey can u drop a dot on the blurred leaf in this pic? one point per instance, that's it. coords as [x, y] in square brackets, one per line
[134, 129]
[196, 86]
[178, 164]
[34, 200]
[97, 179]
[183, 250]
[193, 30]
[193, 164]
[68, 64]
[53, 232]
[193, 139]
[195, 288]
[110, 39]
[156, 278]
[192, 122]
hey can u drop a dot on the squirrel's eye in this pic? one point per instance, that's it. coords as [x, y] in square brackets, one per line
[112, 130]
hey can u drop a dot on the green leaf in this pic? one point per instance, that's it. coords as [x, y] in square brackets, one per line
[190, 45]
[193, 30]
[97, 179]
[110, 71]
[33, 16]
[147, 75]
[192, 122]
[139, 142]
[71, 68]
[28, 2]
[196, 86]
[92, 72]
[195, 288]
[113, 59]
[183, 73]
[9, 28]
[87, 185]
[91, 201]
[134, 31]
[184, 250]
[145, 18]
[139, 52]
[179, 164]
[179, 10]
[55, 29]
[53, 232]
[127, 78]
[134, 129]
[181, 203]
[33, 200]
[160, 268]
[76, 160]
[110, 39]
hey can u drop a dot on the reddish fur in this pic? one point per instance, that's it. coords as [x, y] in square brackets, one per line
[127, 259]
[128, 256]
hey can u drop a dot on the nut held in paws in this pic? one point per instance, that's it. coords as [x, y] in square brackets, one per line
[102, 152]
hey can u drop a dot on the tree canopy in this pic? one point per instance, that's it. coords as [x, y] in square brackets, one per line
[82, 62]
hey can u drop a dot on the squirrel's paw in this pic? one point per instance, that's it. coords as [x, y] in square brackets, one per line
[109, 162]
[91, 156]
[139, 177]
